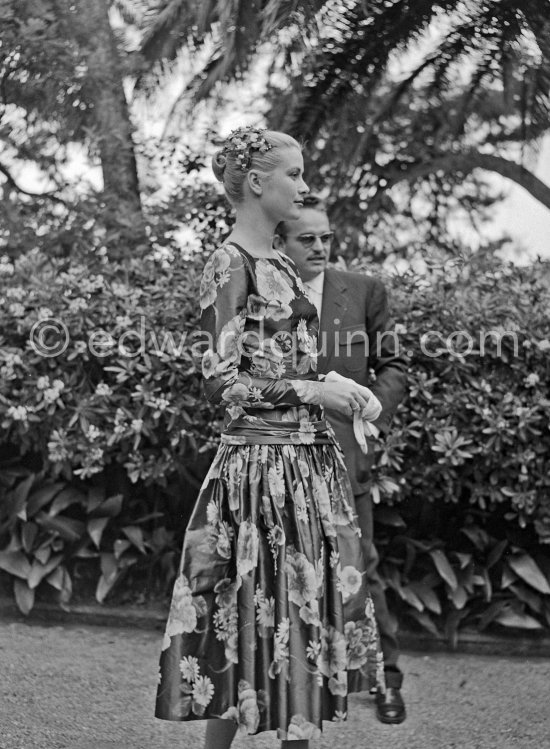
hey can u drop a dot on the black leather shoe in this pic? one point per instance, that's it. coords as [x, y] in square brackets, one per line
[390, 707]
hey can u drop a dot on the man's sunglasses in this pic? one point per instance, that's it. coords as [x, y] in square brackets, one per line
[308, 240]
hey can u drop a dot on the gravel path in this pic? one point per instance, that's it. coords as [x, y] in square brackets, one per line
[93, 688]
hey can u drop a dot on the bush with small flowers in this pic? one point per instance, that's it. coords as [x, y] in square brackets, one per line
[106, 441]
[464, 479]
[105, 433]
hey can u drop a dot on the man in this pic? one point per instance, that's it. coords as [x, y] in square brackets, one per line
[354, 318]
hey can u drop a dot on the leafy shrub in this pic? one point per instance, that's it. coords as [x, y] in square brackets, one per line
[464, 475]
[105, 447]
[105, 434]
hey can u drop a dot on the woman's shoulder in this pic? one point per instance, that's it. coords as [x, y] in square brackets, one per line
[227, 249]
[227, 268]
[227, 257]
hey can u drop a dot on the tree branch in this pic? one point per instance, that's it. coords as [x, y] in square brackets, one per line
[466, 162]
[13, 184]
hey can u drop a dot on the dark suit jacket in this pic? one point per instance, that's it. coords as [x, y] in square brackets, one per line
[355, 336]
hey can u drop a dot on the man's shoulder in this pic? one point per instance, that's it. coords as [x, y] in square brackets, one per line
[353, 279]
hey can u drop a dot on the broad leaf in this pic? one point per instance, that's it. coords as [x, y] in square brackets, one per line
[388, 516]
[86, 552]
[411, 598]
[509, 618]
[444, 568]
[134, 534]
[66, 498]
[109, 566]
[67, 587]
[56, 578]
[120, 546]
[496, 553]
[28, 535]
[490, 613]
[422, 545]
[459, 597]
[96, 495]
[487, 585]
[104, 585]
[43, 552]
[526, 568]
[41, 497]
[427, 596]
[21, 495]
[110, 508]
[39, 571]
[95, 528]
[477, 536]
[463, 559]
[508, 577]
[528, 596]
[465, 578]
[24, 596]
[425, 621]
[16, 563]
[68, 528]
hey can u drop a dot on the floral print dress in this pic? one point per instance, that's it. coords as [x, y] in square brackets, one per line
[271, 623]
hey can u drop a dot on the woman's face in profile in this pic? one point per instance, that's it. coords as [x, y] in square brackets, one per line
[284, 187]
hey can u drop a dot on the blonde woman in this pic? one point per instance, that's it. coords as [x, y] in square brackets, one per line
[271, 624]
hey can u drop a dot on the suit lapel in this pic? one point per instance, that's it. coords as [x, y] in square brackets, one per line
[335, 304]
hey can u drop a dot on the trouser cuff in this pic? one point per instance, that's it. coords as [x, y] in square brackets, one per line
[394, 678]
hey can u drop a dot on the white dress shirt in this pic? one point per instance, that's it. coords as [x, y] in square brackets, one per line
[315, 291]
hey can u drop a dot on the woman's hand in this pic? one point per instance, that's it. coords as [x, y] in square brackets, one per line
[340, 394]
[374, 407]
[344, 397]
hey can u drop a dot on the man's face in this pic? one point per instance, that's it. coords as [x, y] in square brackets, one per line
[307, 242]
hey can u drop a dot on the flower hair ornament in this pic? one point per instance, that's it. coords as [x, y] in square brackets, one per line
[242, 142]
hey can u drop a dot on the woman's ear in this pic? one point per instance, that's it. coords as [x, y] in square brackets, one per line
[255, 182]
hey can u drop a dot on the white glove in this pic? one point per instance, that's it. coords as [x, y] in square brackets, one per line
[361, 425]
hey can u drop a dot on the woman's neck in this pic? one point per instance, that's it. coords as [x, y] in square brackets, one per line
[254, 233]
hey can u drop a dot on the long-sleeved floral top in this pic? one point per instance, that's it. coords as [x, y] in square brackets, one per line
[261, 330]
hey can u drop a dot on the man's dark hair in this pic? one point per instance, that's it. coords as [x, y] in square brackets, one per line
[310, 201]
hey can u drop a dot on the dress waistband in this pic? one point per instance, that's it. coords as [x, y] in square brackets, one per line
[264, 432]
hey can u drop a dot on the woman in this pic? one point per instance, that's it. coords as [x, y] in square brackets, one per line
[271, 624]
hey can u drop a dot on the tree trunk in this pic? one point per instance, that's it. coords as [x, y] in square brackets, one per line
[113, 128]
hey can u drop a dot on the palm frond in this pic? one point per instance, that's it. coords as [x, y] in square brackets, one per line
[353, 56]
[132, 12]
[231, 26]
[168, 29]
[496, 38]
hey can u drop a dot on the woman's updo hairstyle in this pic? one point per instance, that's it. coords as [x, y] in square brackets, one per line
[244, 149]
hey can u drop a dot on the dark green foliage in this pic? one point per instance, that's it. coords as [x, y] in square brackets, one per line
[104, 444]
[106, 476]
[466, 468]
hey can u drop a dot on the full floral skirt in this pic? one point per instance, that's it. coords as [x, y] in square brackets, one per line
[271, 623]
